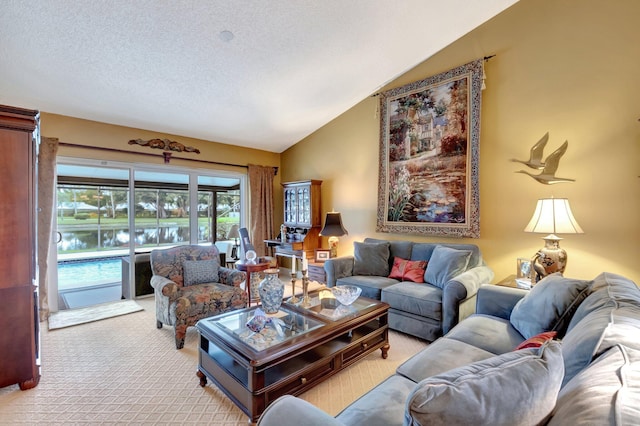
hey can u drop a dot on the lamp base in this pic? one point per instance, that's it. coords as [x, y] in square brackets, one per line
[333, 246]
[549, 259]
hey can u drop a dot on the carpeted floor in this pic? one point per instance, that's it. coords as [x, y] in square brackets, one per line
[123, 371]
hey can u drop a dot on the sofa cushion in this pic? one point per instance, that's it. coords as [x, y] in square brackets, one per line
[424, 300]
[487, 332]
[408, 270]
[528, 382]
[596, 333]
[415, 325]
[445, 263]
[200, 271]
[381, 406]
[442, 355]
[607, 289]
[371, 259]
[537, 340]
[605, 393]
[549, 305]
[371, 285]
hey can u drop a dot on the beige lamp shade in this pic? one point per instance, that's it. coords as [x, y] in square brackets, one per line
[553, 216]
[233, 232]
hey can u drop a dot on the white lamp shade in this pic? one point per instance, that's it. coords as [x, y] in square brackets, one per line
[553, 216]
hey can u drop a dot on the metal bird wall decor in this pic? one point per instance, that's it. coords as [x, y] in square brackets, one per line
[550, 164]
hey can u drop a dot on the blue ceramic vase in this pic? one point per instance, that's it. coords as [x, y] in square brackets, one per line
[271, 291]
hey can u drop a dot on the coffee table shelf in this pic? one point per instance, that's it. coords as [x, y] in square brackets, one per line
[253, 379]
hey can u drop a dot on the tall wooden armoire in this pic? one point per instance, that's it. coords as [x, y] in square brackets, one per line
[302, 217]
[19, 323]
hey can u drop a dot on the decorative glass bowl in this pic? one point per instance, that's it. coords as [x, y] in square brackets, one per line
[346, 294]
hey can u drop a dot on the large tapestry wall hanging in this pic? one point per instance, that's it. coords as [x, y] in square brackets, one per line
[429, 155]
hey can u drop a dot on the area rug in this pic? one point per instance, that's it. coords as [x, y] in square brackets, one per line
[68, 318]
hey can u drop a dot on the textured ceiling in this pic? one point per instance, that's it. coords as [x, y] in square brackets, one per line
[162, 65]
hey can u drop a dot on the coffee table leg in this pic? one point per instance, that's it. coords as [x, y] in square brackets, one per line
[385, 351]
[203, 378]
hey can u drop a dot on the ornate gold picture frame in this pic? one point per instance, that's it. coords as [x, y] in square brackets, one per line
[429, 155]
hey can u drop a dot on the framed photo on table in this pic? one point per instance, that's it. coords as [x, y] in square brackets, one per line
[524, 268]
[322, 255]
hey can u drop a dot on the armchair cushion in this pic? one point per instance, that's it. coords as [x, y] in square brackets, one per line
[549, 305]
[529, 381]
[371, 259]
[200, 271]
[444, 264]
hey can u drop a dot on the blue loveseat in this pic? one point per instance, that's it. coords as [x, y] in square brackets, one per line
[453, 274]
[477, 374]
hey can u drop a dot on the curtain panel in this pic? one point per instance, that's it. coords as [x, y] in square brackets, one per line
[46, 192]
[261, 205]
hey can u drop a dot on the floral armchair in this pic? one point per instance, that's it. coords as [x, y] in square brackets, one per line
[189, 284]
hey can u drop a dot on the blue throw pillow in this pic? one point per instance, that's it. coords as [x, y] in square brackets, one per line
[200, 271]
[514, 388]
[549, 305]
[446, 263]
[371, 259]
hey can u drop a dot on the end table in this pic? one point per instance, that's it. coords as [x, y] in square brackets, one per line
[250, 268]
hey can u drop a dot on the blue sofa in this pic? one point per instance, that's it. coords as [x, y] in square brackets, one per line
[476, 374]
[453, 274]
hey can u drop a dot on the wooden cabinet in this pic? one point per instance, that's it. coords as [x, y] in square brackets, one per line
[302, 204]
[302, 217]
[19, 333]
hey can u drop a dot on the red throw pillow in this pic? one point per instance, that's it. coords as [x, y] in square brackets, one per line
[408, 270]
[537, 340]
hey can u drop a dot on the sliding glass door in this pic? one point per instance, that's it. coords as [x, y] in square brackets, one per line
[111, 215]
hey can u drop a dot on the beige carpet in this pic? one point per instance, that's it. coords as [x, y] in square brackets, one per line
[123, 371]
[70, 317]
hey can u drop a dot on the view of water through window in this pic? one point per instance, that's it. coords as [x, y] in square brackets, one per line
[93, 218]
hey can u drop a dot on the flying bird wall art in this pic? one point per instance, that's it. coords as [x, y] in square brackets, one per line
[550, 164]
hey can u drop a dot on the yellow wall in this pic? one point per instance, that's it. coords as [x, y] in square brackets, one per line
[91, 133]
[568, 67]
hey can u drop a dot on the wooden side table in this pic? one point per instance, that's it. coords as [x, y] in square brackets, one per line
[250, 268]
[316, 272]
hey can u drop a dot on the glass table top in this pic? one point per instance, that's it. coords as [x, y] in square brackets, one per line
[331, 309]
[279, 327]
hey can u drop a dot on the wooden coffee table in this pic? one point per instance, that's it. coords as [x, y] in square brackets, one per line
[255, 369]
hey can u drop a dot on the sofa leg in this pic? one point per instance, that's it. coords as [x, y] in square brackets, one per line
[158, 324]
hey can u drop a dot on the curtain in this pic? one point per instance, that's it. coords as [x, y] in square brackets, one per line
[261, 205]
[46, 193]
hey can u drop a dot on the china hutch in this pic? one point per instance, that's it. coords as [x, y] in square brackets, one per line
[19, 333]
[302, 219]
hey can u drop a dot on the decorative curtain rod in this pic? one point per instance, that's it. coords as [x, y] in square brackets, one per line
[124, 151]
[486, 59]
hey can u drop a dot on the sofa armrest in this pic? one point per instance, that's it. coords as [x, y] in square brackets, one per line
[458, 289]
[338, 267]
[231, 277]
[289, 410]
[163, 285]
[498, 301]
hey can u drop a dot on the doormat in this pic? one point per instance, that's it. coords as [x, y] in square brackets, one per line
[70, 317]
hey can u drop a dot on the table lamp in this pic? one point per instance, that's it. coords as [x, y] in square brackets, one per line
[234, 234]
[552, 216]
[333, 229]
